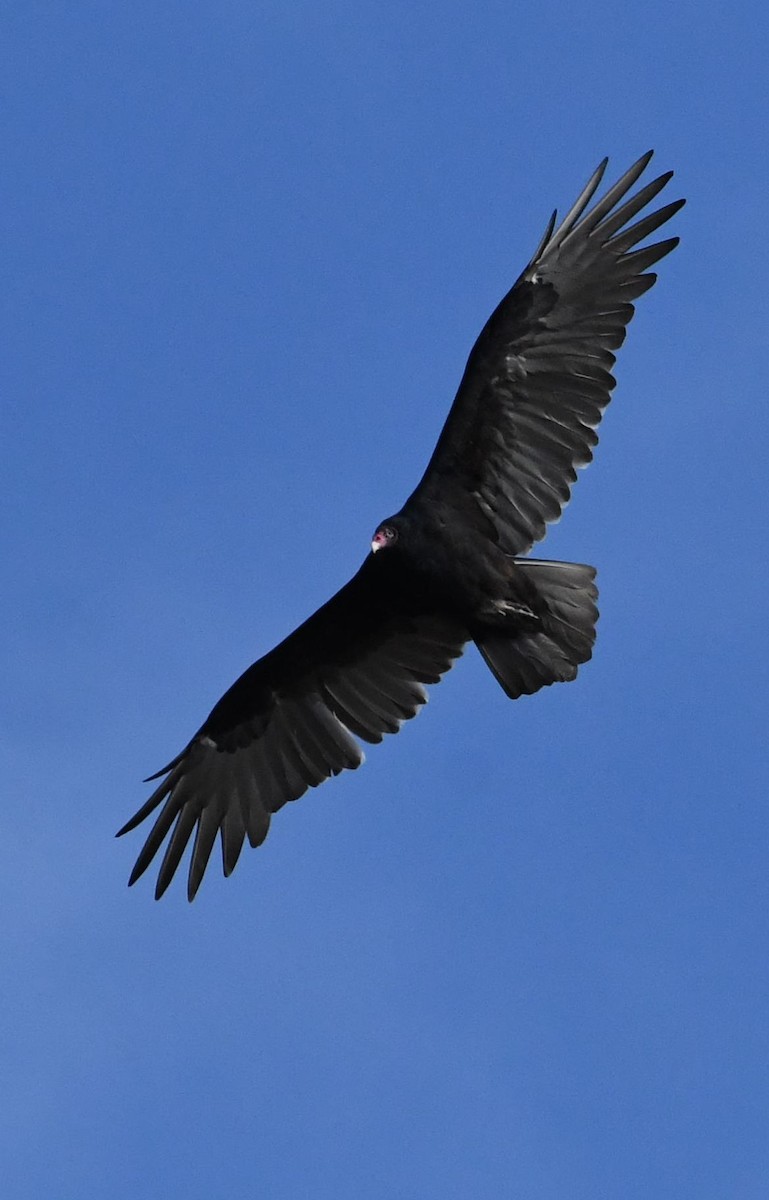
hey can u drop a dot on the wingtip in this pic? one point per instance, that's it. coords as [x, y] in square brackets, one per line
[135, 874]
[129, 825]
[161, 886]
[195, 878]
[546, 236]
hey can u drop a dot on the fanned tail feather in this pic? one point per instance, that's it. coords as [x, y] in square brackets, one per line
[551, 647]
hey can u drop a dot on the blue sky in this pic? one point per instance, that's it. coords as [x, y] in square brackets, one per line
[523, 951]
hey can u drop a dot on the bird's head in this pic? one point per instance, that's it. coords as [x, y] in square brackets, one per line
[385, 536]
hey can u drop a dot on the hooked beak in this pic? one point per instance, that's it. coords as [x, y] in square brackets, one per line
[376, 545]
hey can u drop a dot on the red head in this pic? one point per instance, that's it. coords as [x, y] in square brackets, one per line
[384, 536]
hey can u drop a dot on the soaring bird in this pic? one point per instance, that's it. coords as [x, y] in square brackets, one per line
[449, 567]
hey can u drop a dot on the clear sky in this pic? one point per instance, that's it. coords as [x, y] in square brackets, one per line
[523, 951]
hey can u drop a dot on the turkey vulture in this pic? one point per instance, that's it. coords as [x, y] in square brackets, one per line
[448, 568]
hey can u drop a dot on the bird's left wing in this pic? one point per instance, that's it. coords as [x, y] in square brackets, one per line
[357, 666]
[539, 376]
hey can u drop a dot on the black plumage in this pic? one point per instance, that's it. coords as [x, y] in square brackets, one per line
[448, 567]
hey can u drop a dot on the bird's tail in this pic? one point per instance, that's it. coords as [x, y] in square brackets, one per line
[527, 655]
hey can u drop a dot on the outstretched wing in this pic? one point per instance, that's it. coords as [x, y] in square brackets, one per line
[356, 667]
[539, 376]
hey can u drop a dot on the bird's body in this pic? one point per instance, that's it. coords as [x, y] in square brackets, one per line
[449, 567]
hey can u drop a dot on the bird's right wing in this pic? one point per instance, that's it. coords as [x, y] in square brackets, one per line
[539, 376]
[357, 666]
